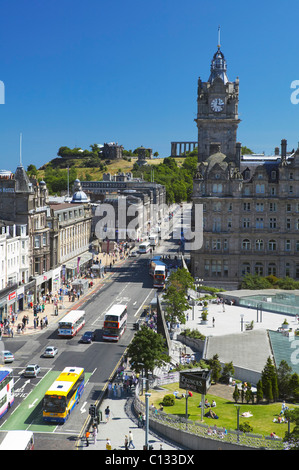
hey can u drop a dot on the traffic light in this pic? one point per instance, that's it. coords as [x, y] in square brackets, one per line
[93, 411]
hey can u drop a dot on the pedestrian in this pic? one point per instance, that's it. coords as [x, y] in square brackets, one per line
[131, 443]
[108, 444]
[107, 414]
[213, 322]
[126, 442]
[87, 434]
[140, 420]
[95, 432]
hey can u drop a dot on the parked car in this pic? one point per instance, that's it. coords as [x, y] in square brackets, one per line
[50, 351]
[8, 357]
[88, 337]
[32, 370]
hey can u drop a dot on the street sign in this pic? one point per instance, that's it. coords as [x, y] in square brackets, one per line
[198, 381]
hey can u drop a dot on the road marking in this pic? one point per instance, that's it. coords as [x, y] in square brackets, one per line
[33, 403]
[23, 386]
[112, 303]
[83, 409]
[141, 306]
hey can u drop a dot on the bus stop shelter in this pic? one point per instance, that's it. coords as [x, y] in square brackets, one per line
[80, 285]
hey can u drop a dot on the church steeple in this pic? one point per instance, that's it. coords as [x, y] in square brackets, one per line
[218, 65]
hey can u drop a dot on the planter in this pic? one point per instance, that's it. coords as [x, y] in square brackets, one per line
[204, 322]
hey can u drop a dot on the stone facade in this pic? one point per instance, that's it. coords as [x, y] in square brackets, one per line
[23, 202]
[250, 204]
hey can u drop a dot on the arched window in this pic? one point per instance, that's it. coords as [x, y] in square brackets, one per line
[259, 269]
[272, 245]
[245, 269]
[246, 245]
[259, 245]
[272, 269]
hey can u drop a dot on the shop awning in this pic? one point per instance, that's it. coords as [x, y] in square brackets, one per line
[84, 258]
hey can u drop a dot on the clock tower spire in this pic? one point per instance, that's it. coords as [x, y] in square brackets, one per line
[217, 110]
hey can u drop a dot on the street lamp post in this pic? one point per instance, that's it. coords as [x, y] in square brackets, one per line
[147, 395]
[242, 320]
[238, 420]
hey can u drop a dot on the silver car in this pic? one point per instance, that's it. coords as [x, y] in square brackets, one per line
[50, 351]
[8, 357]
[32, 370]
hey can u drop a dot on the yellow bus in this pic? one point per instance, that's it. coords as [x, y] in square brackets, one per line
[63, 395]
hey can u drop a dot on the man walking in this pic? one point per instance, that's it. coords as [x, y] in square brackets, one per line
[131, 443]
[107, 414]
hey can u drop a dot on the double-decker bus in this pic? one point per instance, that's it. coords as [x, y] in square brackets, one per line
[71, 323]
[63, 395]
[115, 322]
[153, 239]
[160, 276]
[17, 440]
[6, 390]
[144, 247]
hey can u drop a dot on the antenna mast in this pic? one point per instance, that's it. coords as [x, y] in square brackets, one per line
[219, 37]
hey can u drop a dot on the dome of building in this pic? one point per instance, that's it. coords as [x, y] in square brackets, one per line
[218, 67]
[79, 196]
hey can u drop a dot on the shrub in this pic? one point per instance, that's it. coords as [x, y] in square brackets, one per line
[192, 334]
[245, 427]
[168, 400]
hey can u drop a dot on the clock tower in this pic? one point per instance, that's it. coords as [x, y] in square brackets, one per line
[217, 112]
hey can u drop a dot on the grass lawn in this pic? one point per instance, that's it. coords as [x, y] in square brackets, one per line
[261, 421]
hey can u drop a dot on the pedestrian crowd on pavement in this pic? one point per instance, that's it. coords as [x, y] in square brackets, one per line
[123, 384]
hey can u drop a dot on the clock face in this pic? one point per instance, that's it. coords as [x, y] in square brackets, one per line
[217, 105]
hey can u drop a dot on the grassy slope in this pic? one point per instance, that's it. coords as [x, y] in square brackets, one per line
[113, 168]
[261, 421]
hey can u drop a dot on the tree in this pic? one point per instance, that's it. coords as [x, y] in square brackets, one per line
[182, 279]
[269, 380]
[236, 394]
[215, 368]
[228, 371]
[259, 391]
[294, 386]
[283, 375]
[175, 295]
[275, 387]
[32, 170]
[176, 305]
[248, 393]
[147, 351]
[268, 393]
[246, 151]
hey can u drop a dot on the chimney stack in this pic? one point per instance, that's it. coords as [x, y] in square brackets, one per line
[283, 149]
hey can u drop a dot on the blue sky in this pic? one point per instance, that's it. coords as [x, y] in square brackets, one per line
[78, 73]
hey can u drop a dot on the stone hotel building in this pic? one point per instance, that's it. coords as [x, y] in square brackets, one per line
[250, 203]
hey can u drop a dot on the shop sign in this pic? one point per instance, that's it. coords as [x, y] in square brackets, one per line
[12, 296]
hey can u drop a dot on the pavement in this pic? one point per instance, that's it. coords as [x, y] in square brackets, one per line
[122, 420]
